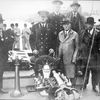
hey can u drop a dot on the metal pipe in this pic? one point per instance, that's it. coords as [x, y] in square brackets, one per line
[16, 92]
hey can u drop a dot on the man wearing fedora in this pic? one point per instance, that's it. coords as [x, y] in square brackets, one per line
[40, 39]
[3, 52]
[68, 49]
[91, 40]
[78, 21]
[55, 18]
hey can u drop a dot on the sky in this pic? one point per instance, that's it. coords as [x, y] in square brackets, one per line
[21, 10]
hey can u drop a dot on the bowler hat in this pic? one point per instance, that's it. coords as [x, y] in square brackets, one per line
[57, 1]
[43, 13]
[75, 4]
[90, 20]
[1, 19]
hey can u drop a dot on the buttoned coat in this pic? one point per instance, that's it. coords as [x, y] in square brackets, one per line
[41, 38]
[68, 49]
[55, 20]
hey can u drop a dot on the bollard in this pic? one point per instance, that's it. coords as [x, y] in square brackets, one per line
[16, 92]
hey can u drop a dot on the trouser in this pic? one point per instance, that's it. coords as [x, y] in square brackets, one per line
[1, 78]
[93, 76]
[73, 81]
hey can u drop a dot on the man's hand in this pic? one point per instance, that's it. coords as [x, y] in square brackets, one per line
[74, 60]
[35, 51]
[51, 51]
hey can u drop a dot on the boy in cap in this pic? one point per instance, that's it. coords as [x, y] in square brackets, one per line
[68, 49]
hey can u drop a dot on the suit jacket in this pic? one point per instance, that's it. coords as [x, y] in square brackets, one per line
[56, 20]
[77, 23]
[41, 38]
[95, 53]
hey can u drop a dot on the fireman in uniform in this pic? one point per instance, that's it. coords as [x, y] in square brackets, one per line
[55, 19]
[41, 36]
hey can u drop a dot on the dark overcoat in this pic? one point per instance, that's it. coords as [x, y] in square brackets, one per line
[95, 53]
[3, 56]
[55, 20]
[41, 38]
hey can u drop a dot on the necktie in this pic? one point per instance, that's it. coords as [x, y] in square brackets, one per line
[74, 14]
[65, 34]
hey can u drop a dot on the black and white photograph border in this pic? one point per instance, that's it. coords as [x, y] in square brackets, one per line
[31, 66]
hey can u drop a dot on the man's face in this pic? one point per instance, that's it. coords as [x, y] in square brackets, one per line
[67, 26]
[12, 27]
[89, 26]
[75, 8]
[57, 7]
[43, 19]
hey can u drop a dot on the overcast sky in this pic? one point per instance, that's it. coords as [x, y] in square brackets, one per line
[23, 9]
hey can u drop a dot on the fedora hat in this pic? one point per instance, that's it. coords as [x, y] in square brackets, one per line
[65, 22]
[75, 4]
[90, 20]
[43, 13]
[1, 19]
[57, 1]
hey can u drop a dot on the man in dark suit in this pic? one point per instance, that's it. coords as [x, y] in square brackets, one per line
[91, 41]
[55, 19]
[41, 36]
[3, 58]
[78, 21]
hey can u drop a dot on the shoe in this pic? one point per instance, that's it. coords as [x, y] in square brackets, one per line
[3, 92]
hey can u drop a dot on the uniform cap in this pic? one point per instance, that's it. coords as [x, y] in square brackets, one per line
[57, 1]
[75, 4]
[43, 13]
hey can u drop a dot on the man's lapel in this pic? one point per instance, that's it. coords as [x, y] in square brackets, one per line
[68, 35]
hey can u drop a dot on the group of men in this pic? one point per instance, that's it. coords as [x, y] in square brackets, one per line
[74, 41]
